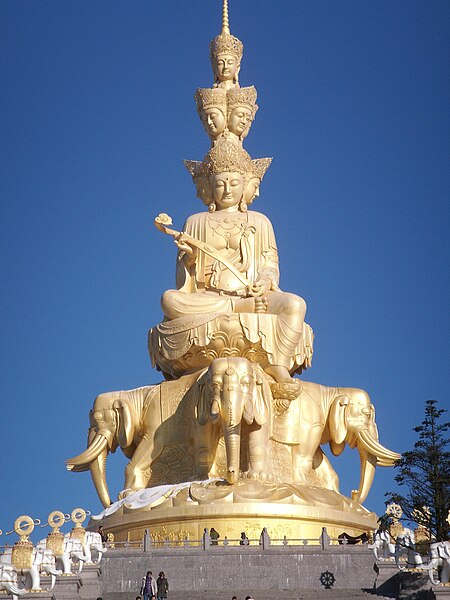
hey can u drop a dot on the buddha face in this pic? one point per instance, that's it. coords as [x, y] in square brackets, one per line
[226, 67]
[240, 120]
[252, 190]
[213, 121]
[227, 189]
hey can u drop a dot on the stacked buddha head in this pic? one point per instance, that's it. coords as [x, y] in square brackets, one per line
[227, 112]
[224, 158]
[225, 52]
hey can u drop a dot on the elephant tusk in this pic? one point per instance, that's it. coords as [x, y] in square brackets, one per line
[16, 591]
[94, 449]
[368, 464]
[99, 478]
[385, 457]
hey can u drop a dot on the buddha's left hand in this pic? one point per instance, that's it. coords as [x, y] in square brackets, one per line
[260, 287]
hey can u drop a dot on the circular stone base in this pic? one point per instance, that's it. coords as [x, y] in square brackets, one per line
[295, 511]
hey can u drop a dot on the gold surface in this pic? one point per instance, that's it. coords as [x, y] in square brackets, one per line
[295, 521]
[229, 345]
[22, 555]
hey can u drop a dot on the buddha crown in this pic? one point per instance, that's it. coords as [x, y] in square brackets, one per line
[228, 157]
[209, 97]
[225, 157]
[225, 43]
[245, 96]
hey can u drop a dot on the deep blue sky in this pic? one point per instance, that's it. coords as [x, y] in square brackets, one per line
[97, 113]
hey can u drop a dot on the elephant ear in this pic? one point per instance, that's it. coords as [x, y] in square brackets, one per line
[125, 428]
[203, 406]
[337, 423]
[261, 400]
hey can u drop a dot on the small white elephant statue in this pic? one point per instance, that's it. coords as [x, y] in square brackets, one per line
[8, 581]
[93, 541]
[42, 560]
[406, 542]
[72, 549]
[383, 546]
[439, 565]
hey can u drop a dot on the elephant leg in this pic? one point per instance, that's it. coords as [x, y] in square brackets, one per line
[206, 440]
[325, 471]
[138, 471]
[258, 453]
[302, 467]
[303, 453]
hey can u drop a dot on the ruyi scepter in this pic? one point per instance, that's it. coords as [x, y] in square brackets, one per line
[162, 222]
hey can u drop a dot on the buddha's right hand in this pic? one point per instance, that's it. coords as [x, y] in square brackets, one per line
[186, 251]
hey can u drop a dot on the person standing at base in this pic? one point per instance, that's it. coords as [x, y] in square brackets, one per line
[162, 586]
[244, 541]
[214, 535]
[149, 586]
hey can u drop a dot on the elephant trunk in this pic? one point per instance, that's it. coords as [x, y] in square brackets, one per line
[92, 452]
[232, 443]
[371, 454]
[98, 473]
[14, 590]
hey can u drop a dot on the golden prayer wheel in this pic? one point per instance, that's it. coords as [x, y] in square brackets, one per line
[22, 555]
[55, 542]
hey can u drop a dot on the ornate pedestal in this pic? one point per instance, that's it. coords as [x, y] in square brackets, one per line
[297, 512]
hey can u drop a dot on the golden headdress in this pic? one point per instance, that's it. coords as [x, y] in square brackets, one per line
[209, 97]
[224, 157]
[225, 43]
[245, 96]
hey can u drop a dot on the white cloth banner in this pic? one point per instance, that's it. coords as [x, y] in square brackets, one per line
[148, 497]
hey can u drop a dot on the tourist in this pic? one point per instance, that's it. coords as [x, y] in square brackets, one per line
[149, 587]
[244, 539]
[162, 586]
[103, 535]
[214, 535]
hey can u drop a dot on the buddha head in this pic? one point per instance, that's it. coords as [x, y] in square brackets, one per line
[227, 176]
[227, 189]
[212, 109]
[225, 52]
[241, 110]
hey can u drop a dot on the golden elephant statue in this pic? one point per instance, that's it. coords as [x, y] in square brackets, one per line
[133, 420]
[237, 393]
[213, 404]
[337, 416]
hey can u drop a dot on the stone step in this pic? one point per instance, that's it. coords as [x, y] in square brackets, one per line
[318, 594]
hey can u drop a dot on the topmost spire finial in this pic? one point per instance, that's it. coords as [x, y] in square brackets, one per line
[225, 52]
[225, 18]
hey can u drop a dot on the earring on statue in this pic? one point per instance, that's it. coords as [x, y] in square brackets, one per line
[243, 205]
[212, 207]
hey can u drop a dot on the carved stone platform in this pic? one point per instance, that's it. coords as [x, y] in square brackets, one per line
[295, 511]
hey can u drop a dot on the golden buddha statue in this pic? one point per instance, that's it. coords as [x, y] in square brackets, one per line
[241, 274]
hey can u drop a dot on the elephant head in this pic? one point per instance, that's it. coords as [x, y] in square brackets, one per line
[233, 391]
[114, 421]
[352, 421]
[8, 581]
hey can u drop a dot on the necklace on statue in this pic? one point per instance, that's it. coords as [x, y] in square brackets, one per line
[227, 227]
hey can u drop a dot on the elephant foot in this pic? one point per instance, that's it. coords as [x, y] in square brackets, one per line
[259, 475]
